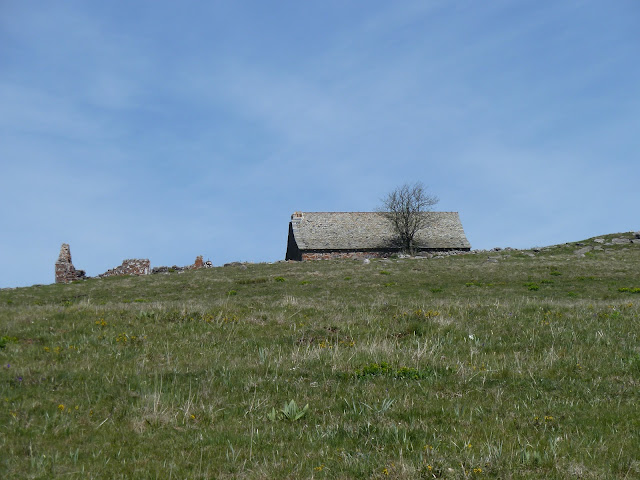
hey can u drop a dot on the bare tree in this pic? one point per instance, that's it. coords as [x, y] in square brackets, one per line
[404, 207]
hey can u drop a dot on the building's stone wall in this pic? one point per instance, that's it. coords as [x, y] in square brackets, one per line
[132, 266]
[344, 255]
[65, 271]
[339, 255]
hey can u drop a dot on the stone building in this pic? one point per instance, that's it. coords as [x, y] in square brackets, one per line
[328, 235]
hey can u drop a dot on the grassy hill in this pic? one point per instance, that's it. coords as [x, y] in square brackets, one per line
[526, 365]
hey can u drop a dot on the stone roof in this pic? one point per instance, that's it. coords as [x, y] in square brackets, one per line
[372, 230]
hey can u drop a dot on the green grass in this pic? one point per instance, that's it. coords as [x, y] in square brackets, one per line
[441, 368]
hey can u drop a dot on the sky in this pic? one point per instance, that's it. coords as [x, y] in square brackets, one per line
[166, 130]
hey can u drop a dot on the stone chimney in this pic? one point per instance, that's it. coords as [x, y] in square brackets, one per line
[296, 217]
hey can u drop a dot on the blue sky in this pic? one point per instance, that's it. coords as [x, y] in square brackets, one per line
[166, 130]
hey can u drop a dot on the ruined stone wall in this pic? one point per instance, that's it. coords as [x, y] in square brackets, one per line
[132, 266]
[199, 263]
[65, 271]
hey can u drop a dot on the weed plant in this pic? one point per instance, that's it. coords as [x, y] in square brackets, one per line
[441, 368]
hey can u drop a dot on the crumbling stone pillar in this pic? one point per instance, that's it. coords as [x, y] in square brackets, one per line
[65, 271]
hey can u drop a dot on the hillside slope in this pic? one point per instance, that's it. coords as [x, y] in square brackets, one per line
[509, 364]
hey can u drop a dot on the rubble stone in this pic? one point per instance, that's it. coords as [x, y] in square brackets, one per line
[580, 252]
[199, 263]
[132, 266]
[620, 241]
